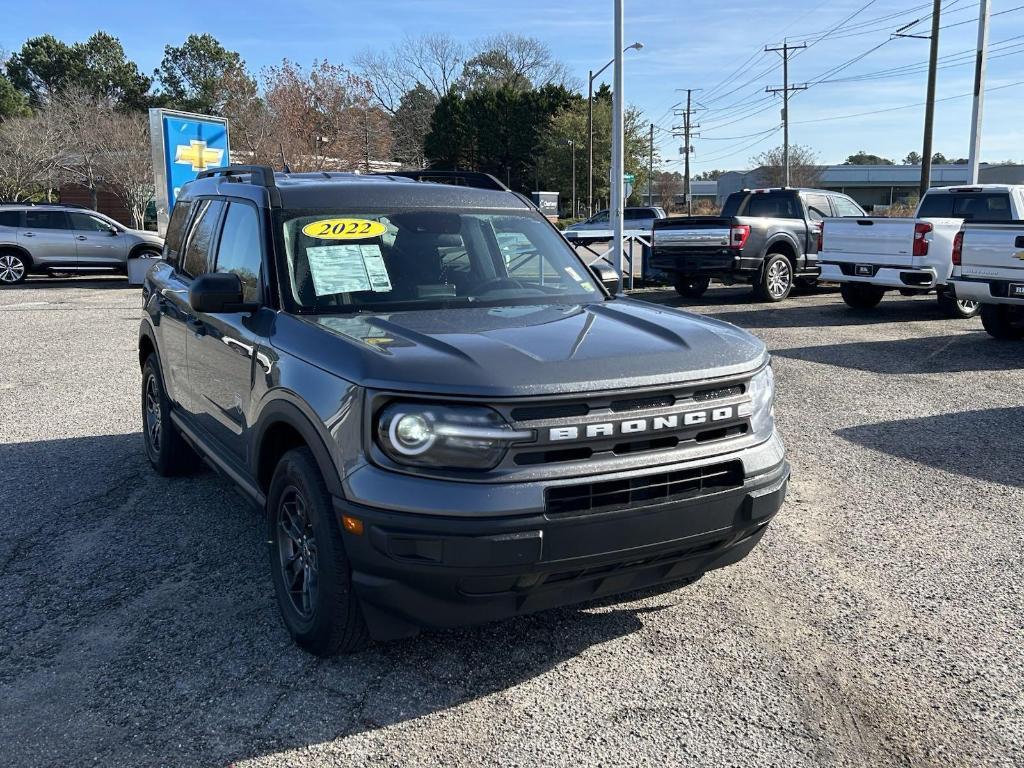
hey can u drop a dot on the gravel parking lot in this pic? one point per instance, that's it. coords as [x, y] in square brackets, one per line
[879, 623]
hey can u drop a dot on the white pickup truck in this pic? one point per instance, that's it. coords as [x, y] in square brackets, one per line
[988, 267]
[869, 256]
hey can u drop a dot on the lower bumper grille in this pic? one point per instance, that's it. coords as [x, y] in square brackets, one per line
[643, 491]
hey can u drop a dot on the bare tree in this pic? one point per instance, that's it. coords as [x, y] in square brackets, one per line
[80, 120]
[514, 61]
[434, 61]
[28, 157]
[668, 184]
[252, 124]
[804, 169]
[126, 165]
[323, 119]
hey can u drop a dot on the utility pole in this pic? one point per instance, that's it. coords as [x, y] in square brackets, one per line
[688, 134]
[366, 138]
[785, 91]
[929, 109]
[650, 170]
[979, 94]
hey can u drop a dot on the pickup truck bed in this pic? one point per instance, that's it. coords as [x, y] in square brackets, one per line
[868, 256]
[988, 267]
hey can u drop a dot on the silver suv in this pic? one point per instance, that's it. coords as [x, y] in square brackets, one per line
[62, 238]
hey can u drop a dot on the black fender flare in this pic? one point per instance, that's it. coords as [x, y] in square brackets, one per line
[279, 411]
[780, 237]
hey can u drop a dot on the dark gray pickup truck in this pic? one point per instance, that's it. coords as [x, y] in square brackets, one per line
[443, 415]
[766, 237]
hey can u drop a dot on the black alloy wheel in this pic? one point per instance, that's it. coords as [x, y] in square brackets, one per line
[298, 553]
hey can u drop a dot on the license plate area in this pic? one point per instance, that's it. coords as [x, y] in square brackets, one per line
[1016, 291]
[864, 270]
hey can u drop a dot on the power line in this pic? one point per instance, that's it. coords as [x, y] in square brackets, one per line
[904, 106]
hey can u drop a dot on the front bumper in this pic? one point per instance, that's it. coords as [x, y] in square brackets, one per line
[884, 276]
[412, 570]
[984, 291]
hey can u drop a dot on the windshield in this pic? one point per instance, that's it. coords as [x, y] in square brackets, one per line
[343, 261]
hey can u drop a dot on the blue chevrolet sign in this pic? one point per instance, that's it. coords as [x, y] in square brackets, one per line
[183, 145]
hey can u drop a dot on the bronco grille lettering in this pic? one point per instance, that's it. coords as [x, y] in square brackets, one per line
[637, 426]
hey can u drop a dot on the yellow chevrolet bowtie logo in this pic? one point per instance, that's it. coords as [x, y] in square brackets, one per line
[198, 155]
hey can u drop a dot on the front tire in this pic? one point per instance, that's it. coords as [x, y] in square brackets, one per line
[861, 295]
[310, 570]
[776, 281]
[958, 309]
[167, 451]
[691, 287]
[13, 268]
[1003, 322]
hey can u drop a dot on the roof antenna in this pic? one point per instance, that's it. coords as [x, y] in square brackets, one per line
[284, 163]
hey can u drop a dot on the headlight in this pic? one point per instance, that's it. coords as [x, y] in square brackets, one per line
[445, 436]
[762, 393]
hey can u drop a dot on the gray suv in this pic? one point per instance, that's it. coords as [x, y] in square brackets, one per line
[46, 239]
[443, 415]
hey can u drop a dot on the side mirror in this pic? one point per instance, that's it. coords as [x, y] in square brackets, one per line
[217, 292]
[605, 274]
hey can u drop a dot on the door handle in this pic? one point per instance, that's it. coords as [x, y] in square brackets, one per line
[1019, 242]
[28, 234]
[81, 237]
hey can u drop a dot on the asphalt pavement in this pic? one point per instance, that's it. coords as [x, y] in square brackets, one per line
[879, 623]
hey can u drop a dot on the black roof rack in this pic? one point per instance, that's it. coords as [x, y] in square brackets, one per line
[262, 175]
[476, 179]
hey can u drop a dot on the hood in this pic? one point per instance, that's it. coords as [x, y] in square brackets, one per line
[512, 351]
[146, 236]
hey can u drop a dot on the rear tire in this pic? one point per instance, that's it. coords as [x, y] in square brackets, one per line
[167, 451]
[776, 280]
[958, 309]
[691, 287]
[13, 268]
[1003, 322]
[310, 570]
[861, 295]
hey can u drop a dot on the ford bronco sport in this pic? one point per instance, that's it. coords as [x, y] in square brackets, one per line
[445, 416]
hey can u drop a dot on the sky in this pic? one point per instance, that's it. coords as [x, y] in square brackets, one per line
[714, 46]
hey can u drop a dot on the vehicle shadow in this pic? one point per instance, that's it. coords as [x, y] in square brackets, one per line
[794, 313]
[981, 444]
[930, 354]
[136, 612]
[35, 282]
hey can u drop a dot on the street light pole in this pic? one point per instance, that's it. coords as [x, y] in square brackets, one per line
[591, 77]
[618, 156]
[590, 145]
[572, 148]
[979, 94]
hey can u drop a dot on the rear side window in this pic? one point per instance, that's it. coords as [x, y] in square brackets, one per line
[638, 213]
[83, 222]
[239, 251]
[200, 239]
[773, 205]
[176, 230]
[978, 206]
[846, 207]
[45, 220]
[817, 207]
[10, 218]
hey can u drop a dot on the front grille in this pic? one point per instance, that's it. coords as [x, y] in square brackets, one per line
[587, 451]
[644, 491]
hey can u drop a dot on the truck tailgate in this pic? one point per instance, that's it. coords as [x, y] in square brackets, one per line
[694, 231]
[993, 250]
[878, 241]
